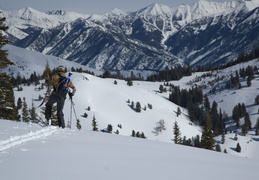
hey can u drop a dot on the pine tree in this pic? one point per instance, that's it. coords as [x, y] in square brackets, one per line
[215, 119]
[236, 115]
[133, 134]
[206, 103]
[238, 148]
[132, 105]
[248, 121]
[244, 129]
[78, 124]
[178, 113]
[25, 111]
[236, 138]
[207, 140]
[257, 100]
[109, 128]
[143, 135]
[161, 88]
[47, 72]
[19, 103]
[249, 81]
[7, 101]
[5, 62]
[33, 115]
[138, 107]
[94, 124]
[177, 134]
[223, 138]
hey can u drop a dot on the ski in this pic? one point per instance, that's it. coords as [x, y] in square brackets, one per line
[42, 122]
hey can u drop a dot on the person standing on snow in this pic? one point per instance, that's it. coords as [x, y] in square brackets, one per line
[57, 81]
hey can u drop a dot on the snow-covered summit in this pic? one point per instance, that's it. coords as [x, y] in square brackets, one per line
[21, 19]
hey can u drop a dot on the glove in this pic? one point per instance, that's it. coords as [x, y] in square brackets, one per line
[70, 95]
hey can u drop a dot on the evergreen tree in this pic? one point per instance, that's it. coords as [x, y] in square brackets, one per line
[94, 124]
[161, 88]
[5, 62]
[235, 138]
[236, 115]
[7, 103]
[132, 105]
[47, 72]
[207, 140]
[223, 138]
[225, 151]
[25, 111]
[244, 129]
[215, 118]
[138, 107]
[248, 121]
[133, 134]
[143, 135]
[249, 81]
[257, 100]
[109, 128]
[197, 142]
[178, 113]
[257, 127]
[33, 115]
[78, 125]
[206, 103]
[238, 148]
[130, 83]
[177, 134]
[19, 103]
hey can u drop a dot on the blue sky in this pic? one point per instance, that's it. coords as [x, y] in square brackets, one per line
[89, 6]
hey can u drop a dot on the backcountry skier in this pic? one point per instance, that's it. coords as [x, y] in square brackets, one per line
[58, 95]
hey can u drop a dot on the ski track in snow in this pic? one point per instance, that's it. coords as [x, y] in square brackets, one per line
[17, 140]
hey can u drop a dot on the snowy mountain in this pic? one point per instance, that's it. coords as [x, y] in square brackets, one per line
[153, 38]
[25, 21]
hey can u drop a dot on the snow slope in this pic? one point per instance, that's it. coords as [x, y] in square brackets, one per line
[108, 102]
[26, 62]
[71, 154]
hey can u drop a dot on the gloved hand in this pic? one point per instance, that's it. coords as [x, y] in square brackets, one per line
[70, 95]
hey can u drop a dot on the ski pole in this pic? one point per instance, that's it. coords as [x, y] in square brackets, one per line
[74, 108]
[78, 125]
[71, 114]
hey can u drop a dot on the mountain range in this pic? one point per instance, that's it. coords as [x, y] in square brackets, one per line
[153, 38]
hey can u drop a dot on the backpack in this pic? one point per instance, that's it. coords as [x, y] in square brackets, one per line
[62, 87]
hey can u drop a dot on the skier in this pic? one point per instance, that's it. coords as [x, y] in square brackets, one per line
[58, 95]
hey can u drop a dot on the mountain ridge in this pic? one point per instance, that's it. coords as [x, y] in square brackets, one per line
[204, 33]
